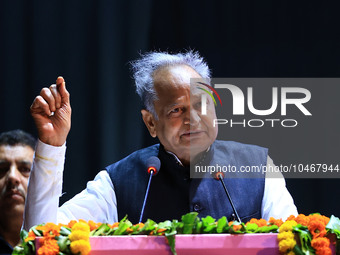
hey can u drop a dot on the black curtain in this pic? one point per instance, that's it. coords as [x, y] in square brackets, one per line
[90, 44]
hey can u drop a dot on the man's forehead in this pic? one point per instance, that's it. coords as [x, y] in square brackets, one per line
[173, 75]
[18, 152]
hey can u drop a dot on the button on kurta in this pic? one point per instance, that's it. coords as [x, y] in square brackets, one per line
[197, 207]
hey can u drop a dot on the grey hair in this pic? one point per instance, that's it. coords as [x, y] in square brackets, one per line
[144, 68]
[17, 137]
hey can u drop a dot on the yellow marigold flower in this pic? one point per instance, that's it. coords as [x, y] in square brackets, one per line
[79, 235]
[80, 246]
[287, 226]
[285, 235]
[287, 244]
[83, 226]
[291, 253]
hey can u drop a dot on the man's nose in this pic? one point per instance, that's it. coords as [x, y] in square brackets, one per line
[192, 117]
[14, 175]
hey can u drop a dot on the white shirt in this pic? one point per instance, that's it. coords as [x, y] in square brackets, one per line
[98, 201]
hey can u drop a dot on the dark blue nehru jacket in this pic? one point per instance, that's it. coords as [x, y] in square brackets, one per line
[173, 193]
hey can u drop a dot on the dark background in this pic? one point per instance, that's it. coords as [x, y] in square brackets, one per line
[90, 44]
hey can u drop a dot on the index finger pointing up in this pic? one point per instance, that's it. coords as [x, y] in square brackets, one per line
[65, 95]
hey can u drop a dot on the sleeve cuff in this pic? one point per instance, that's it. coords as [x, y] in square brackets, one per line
[49, 152]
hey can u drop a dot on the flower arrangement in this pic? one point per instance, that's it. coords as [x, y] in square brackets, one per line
[297, 235]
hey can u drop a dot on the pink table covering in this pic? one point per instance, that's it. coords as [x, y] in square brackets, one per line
[187, 244]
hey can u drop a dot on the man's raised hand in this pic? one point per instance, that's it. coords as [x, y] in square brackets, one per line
[51, 111]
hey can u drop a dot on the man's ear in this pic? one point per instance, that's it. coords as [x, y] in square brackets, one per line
[150, 122]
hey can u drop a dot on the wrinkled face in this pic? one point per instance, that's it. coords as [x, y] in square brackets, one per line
[15, 167]
[180, 126]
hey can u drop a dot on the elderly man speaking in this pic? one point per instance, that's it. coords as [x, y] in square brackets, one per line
[172, 113]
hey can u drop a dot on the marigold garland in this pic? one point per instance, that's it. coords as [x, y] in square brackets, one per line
[74, 237]
[80, 238]
[286, 237]
[316, 225]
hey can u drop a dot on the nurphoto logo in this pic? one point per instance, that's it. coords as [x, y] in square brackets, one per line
[295, 98]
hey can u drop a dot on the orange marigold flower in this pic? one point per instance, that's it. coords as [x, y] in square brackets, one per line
[62, 225]
[140, 225]
[237, 227]
[49, 247]
[291, 217]
[30, 237]
[277, 222]
[321, 218]
[317, 228]
[321, 246]
[114, 225]
[71, 223]
[302, 219]
[49, 229]
[258, 222]
[93, 225]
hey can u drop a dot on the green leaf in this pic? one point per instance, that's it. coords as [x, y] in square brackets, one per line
[209, 224]
[189, 218]
[298, 251]
[188, 221]
[334, 226]
[23, 234]
[198, 227]
[124, 224]
[63, 243]
[251, 227]
[267, 229]
[29, 247]
[172, 243]
[18, 250]
[221, 223]
[150, 225]
[36, 232]
[305, 238]
[65, 231]
[103, 230]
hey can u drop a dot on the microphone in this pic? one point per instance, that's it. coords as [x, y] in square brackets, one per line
[219, 176]
[153, 165]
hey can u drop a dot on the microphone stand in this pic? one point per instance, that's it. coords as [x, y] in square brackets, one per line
[146, 196]
[219, 176]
